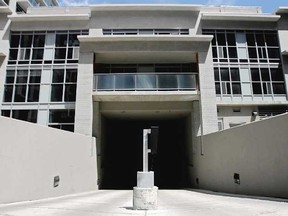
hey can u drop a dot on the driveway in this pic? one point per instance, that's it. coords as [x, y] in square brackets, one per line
[170, 202]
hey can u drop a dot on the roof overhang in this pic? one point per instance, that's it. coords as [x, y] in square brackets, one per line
[281, 10]
[124, 38]
[5, 9]
[240, 17]
[146, 7]
[53, 17]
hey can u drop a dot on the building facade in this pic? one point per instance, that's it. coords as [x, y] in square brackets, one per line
[111, 70]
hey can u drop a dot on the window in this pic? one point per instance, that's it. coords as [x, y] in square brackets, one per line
[145, 31]
[24, 115]
[64, 85]
[62, 119]
[244, 46]
[22, 86]
[34, 47]
[233, 50]
[227, 81]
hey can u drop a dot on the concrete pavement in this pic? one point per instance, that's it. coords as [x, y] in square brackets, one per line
[170, 202]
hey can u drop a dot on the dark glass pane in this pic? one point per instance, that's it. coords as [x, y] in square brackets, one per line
[55, 126]
[216, 74]
[60, 53]
[277, 74]
[70, 53]
[71, 75]
[26, 40]
[228, 88]
[38, 54]
[271, 39]
[8, 92]
[278, 88]
[20, 93]
[167, 81]
[221, 39]
[235, 76]
[231, 39]
[56, 92]
[13, 54]
[260, 39]
[58, 76]
[255, 74]
[214, 39]
[214, 52]
[14, 41]
[250, 39]
[217, 87]
[61, 116]
[10, 76]
[224, 74]
[232, 52]
[39, 40]
[265, 74]
[5, 113]
[33, 93]
[273, 53]
[61, 40]
[35, 76]
[22, 76]
[73, 40]
[68, 128]
[70, 92]
[256, 88]
[236, 88]
[25, 115]
[252, 53]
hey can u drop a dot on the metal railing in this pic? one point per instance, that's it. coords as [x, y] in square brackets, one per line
[145, 82]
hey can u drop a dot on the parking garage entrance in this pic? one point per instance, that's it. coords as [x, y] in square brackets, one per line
[122, 152]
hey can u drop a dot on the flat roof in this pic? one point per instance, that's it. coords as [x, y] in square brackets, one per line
[148, 7]
[281, 10]
[240, 17]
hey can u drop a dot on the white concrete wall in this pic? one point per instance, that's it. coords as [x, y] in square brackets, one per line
[257, 151]
[229, 115]
[31, 155]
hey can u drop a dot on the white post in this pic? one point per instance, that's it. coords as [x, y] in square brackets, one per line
[146, 151]
[145, 194]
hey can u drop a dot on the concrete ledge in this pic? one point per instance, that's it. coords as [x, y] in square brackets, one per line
[240, 17]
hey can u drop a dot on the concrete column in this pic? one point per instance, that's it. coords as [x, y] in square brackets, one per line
[97, 129]
[208, 107]
[283, 34]
[84, 100]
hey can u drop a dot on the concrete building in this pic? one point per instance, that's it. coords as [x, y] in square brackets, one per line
[109, 71]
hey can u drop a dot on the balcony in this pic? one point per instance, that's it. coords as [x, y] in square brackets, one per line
[145, 82]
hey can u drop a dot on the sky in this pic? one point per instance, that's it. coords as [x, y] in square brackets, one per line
[268, 6]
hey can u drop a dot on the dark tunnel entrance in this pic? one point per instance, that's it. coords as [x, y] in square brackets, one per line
[122, 153]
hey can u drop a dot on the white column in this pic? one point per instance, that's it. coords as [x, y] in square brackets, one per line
[84, 100]
[208, 107]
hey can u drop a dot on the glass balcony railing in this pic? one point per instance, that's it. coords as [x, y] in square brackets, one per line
[33, 3]
[145, 82]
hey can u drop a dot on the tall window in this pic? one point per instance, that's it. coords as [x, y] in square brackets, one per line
[22, 86]
[64, 85]
[247, 63]
[44, 47]
[245, 46]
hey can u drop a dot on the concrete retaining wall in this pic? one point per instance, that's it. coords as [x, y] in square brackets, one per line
[32, 155]
[258, 152]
